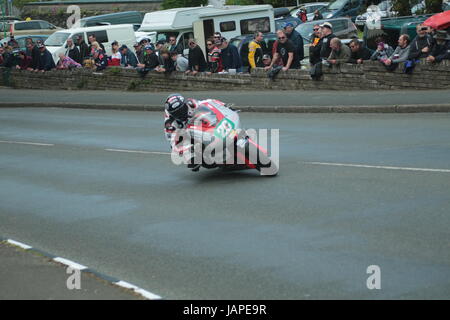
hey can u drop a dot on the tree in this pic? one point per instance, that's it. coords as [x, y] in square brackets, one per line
[403, 7]
[433, 6]
[169, 4]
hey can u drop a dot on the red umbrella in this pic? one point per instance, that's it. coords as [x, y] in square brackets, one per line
[439, 21]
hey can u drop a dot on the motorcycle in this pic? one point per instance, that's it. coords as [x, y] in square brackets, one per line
[213, 138]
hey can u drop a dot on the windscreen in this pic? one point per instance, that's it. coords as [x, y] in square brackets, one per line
[57, 39]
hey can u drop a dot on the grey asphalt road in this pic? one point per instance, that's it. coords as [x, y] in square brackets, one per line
[240, 98]
[311, 232]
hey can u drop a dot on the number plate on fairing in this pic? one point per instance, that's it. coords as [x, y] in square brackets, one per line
[224, 128]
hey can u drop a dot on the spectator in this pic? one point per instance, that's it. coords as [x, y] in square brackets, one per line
[2, 52]
[72, 51]
[82, 48]
[173, 47]
[129, 59]
[326, 30]
[66, 63]
[217, 36]
[11, 57]
[33, 52]
[100, 60]
[214, 58]
[150, 61]
[296, 39]
[359, 52]
[45, 61]
[421, 45]
[139, 51]
[159, 45]
[441, 48]
[92, 39]
[95, 46]
[400, 54]
[197, 62]
[180, 62]
[255, 52]
[340, 53]
[230, 56]
[383, 52]
[25, 61]
[166, 63]
[317, 15]
[315, 46]
[302, 14]
[266, 60]
[116, 57]
[285, 50]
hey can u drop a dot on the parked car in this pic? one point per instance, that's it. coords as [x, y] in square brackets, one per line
[18, 28]
[283, 16]
[385, 10]
[21, 40]
[242, 42]
[310, 8]
[345, 8]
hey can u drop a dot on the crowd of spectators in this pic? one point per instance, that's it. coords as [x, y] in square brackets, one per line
[287, 52]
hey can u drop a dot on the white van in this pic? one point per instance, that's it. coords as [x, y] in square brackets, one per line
[122, 33]
[202, 22]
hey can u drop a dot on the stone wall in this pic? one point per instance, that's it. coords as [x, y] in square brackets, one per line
[371, 75]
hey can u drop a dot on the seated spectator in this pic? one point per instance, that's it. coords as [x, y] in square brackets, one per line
[400, 54]
[230, 56]
[100, 61]
[129, 59]
[340, 53]
[115, 57]
[197, 62]
[181, 63]
[66, 63]
[359, 53]
[45, 61]
[92, 39]
[166, 63]
[150, 61]
[72, 51]
[95, 46]
[25, 61]
[315, 46]
[266, 59]
[441, 47]
[383, 52]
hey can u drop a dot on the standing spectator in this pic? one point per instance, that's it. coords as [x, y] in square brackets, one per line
[441, 48]
[214, 59]
[115, 57]
[139, 51]
[2, 52]
[326, 30]
[315, 46]
[359, 52]
[33, 52]
[92, 39]
[317, 15]
[197, 62]
[400, 54]
[159, 45]
[285, 50]
[421, 45]
[150, 61]
[181, 63]
[340, 53]
[255, 52]
[11, 57]
[217, 36]
[82, 48]
[128, 59]
[167, 65]
[173, 47]
[230, 56]
[66, 63]
[301, 14]
[296, 39]
[383, 52]
[45, 61]
[72, 51]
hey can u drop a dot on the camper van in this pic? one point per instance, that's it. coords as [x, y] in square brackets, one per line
[122, 33]
[201, 22]
[133, 17]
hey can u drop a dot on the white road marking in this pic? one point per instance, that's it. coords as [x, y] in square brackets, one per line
[377, 167]
[19, 244]
[139, 151]
[28, 143]
[142, 292]
[69, 263]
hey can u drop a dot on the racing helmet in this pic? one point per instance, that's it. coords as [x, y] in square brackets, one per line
[176, 106]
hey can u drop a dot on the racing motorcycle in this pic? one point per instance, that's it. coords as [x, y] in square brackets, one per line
[213, 138]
